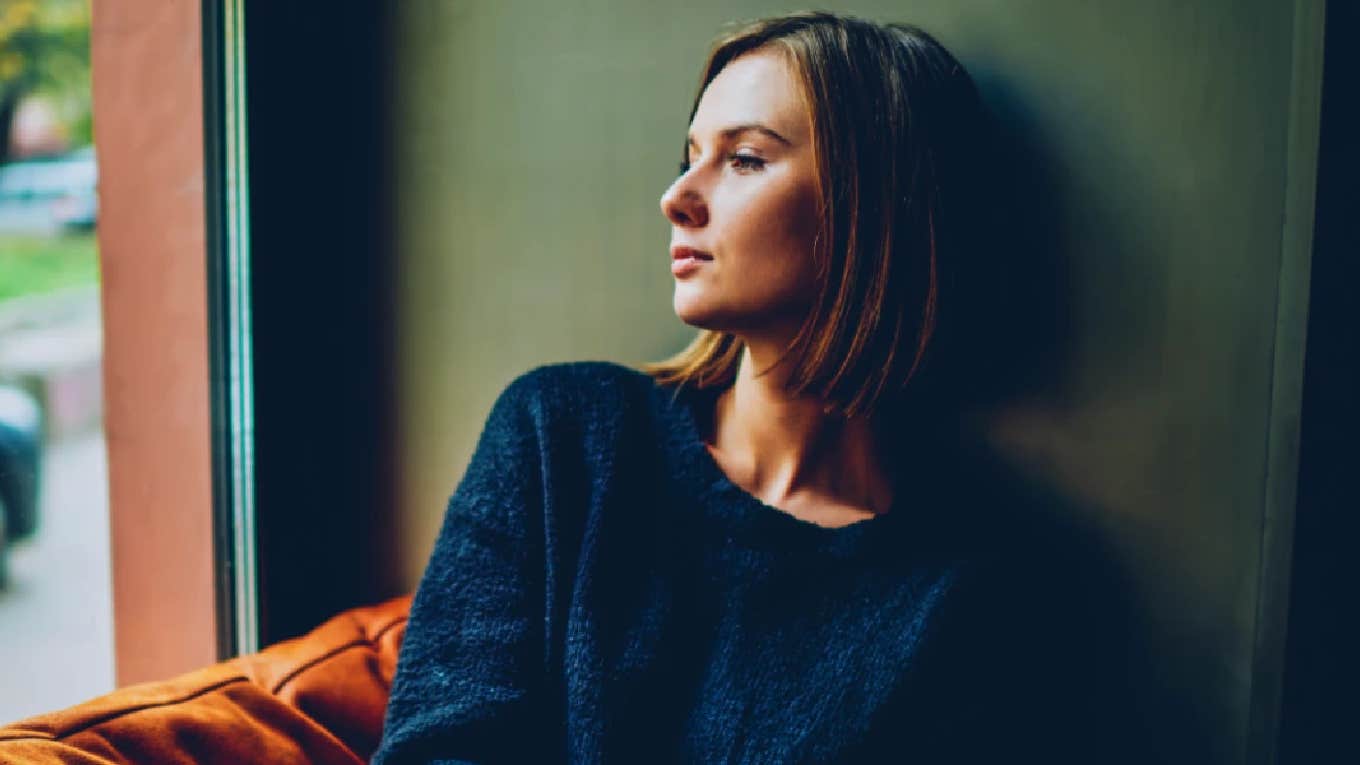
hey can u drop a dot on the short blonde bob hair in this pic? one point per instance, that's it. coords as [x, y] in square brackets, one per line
[890, 107]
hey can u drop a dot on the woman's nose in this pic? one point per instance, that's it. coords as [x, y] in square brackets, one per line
[682, 205]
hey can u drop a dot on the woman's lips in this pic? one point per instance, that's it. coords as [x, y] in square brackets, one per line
[687, 260]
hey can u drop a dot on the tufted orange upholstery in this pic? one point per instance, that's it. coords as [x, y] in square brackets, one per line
[314, 699]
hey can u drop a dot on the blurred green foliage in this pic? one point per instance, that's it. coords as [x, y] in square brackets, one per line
[45, 50]
[34, 264]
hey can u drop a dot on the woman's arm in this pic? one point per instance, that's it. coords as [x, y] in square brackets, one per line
[469, 680]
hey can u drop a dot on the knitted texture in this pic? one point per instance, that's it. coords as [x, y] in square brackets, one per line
[600, 592]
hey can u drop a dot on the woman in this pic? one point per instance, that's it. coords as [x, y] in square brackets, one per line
[759, 550]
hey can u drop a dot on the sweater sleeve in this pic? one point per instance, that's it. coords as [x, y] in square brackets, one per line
[470, 676]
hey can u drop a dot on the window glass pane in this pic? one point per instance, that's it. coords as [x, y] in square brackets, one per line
[56, 624]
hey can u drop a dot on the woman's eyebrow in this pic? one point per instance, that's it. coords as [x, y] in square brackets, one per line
[729, 133]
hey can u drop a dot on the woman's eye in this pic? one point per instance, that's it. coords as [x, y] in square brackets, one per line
[746, 162]
[742, 162]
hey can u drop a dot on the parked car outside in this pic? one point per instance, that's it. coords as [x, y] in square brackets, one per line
[21, 437]
[50, 195]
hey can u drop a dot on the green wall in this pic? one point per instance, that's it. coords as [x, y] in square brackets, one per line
[533, 141]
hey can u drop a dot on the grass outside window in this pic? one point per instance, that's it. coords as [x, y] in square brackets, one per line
[34, 265]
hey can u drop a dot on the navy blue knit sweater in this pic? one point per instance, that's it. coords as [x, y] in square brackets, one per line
[601, 592]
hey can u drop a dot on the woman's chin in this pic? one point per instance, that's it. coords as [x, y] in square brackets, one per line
[693, 310]
[696, 319]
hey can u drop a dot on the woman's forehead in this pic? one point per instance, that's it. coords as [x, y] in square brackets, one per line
[756, 88]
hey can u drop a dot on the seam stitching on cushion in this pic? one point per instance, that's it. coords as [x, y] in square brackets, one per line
[15, 734]
[25, 734]
[124, 712]
[377, 635]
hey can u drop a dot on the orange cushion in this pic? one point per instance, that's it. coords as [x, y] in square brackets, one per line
[315, 699]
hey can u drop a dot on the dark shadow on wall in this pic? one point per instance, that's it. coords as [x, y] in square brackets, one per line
[317, 90]
[1010, 340]
[1006, 326]
[1321, 668]
[1028, 302]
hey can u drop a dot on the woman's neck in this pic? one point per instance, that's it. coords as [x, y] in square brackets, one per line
[792, 454]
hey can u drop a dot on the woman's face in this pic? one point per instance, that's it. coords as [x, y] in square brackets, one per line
[745, 214]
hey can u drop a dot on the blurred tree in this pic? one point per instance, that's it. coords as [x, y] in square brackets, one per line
[45, 48]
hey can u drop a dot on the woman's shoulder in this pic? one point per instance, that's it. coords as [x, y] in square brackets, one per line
[577, 393]
[580, 418]
[572, 376]
[577, 383]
